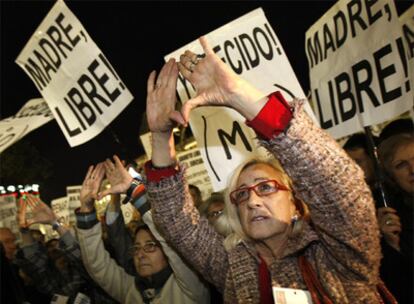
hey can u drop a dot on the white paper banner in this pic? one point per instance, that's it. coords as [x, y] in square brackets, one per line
[31, 116]
[407, 22]
[73, 195]
[356, 61]
[196, 173]
[81, 87]
[251, 48]
[60, 207]
[8, 213]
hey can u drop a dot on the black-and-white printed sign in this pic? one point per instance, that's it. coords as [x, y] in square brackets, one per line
[31, 116]
[81, 87]
[196, 173]
[407, 22]
[358, 67]
[8, 213]
[251, 48]
[60, 207]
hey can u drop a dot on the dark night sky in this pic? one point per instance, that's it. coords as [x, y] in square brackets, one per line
[134, 36]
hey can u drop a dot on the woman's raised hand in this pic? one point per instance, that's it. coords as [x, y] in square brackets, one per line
[161, 99]
[90, 187]
[215, 83]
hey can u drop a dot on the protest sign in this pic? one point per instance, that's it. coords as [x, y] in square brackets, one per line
[252, 50]
[79, 84]
[357, 66]
[31, 116]
[128, 211]
[60, 207]
[146, 143]
[196, 173]
[407, 22]
[73, 195]
[8, 212]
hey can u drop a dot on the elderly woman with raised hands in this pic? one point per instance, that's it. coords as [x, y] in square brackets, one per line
[277, 242]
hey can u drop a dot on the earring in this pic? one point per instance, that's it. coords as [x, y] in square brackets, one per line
[294, 219]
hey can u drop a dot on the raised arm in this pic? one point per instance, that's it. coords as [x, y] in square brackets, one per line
[172, 205]
[104, 270]
[330, 183]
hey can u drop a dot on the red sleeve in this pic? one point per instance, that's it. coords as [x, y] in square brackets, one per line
[273, 118]
[157, 174]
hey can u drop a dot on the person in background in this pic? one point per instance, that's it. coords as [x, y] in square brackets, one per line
[37, 235]
[213, 210]
[398, 126]
[397, 157]
[62, 275]
[8, 240]
[213, 207]
[393, 268]
[13, 289]
[277, 239]
[357, 148]
[196, 195]
[161, 275]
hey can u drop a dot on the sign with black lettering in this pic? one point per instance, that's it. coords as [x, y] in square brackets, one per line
[81, 87]
[358, 66]
[8, 212]
[251, 48]
[31, 116]
[73, 196]
[196, 173]
[60, 207]
[407, 22]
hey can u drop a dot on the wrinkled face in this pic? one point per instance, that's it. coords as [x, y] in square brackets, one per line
[148, 263]
[214, 211]
[8, 240]
[364, 161]
[267, 217]
[402, 167]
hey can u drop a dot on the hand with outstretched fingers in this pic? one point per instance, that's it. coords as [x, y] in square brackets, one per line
[118, 177]
[90, 187]
[390, 226]
[161, 99]
[42, 213]
[215, 83]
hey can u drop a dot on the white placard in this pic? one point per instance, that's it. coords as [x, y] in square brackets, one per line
[31, 116]
[196, 173]
[79, 84]
[251, 48]
[407, 22]
[146, 143]
[356, 61]
[60, 207]
[73, 195]
[128, 211]
[8, 212]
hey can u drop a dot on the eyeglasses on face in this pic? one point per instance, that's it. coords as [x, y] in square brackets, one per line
[148, 247]
[214, 214]
[263, 188]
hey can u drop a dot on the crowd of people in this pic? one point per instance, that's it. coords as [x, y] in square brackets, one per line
[308, 225]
